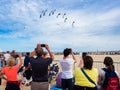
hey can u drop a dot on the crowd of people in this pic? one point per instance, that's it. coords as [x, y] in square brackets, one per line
[36, 66]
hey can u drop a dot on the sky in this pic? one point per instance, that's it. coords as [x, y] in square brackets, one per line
[83, 25]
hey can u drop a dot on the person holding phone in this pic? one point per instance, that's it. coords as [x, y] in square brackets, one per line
[81, 75]
[39, 66]
[67, 69]
[82, 56]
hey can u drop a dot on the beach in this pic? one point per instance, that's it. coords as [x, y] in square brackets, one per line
[98, 63]
[98, 60]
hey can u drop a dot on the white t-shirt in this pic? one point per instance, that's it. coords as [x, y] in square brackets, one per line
[67, 68]
[6, 55]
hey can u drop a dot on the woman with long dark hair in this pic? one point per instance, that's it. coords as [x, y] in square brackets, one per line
[106, 74]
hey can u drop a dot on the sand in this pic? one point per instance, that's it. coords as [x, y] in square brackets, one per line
[98, 63]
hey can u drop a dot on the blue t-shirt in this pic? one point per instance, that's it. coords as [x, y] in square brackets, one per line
[26, 61]
[0, 62]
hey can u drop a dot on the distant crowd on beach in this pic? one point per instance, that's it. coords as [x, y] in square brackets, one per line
[35, 70]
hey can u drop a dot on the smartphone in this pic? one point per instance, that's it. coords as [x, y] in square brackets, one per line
[42, 45]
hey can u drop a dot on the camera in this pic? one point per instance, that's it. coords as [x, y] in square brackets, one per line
[42, 45]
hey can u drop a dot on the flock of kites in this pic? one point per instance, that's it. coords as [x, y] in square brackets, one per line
[52, 12]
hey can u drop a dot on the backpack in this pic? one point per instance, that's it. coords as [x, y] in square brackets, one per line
[59, 80]
[111, 81]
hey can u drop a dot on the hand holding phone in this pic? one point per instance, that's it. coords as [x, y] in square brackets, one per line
[42, 45]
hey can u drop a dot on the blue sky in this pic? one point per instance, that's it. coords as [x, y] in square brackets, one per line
[96, 27]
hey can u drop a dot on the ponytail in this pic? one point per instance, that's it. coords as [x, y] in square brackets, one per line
[109, 63]
[111, 68]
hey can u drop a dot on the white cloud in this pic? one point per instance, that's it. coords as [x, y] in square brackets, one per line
[90, 31]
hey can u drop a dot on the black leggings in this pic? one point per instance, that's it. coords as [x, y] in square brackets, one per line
[12, 86]
[84, 88]
[0, 81]
[67, 83]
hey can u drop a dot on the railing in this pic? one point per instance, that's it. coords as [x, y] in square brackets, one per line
[99, 65]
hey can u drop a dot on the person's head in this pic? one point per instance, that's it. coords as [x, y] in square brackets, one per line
[44, 53]
[66, 52]
[8, 52]
[109, 63]
[11, 61]
[27, 53]
[39, 52]
[13, 51]
[84, 54]
[88, 62]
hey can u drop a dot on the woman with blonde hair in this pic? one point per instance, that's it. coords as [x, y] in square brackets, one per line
[10, 71]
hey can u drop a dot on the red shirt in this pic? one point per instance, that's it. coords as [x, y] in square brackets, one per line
[11, 73]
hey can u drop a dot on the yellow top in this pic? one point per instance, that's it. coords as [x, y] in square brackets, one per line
[81, 79]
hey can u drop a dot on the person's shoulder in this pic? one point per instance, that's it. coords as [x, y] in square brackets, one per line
[117, 73]
[49, 58]
[95, 69]
[69, 59]
[31, 59]
[101, 72]
[78, 68]
[16, 66]
[61, 60]
[5, 68]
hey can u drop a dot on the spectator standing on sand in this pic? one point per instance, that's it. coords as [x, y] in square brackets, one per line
[0, 77]
[27, 59]
[0, 61]
[40, 68]
[10, 71]
[106, 73]
[0, 65]
[81, 81]
[14, 54]
[6, 56]
[67, 69]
